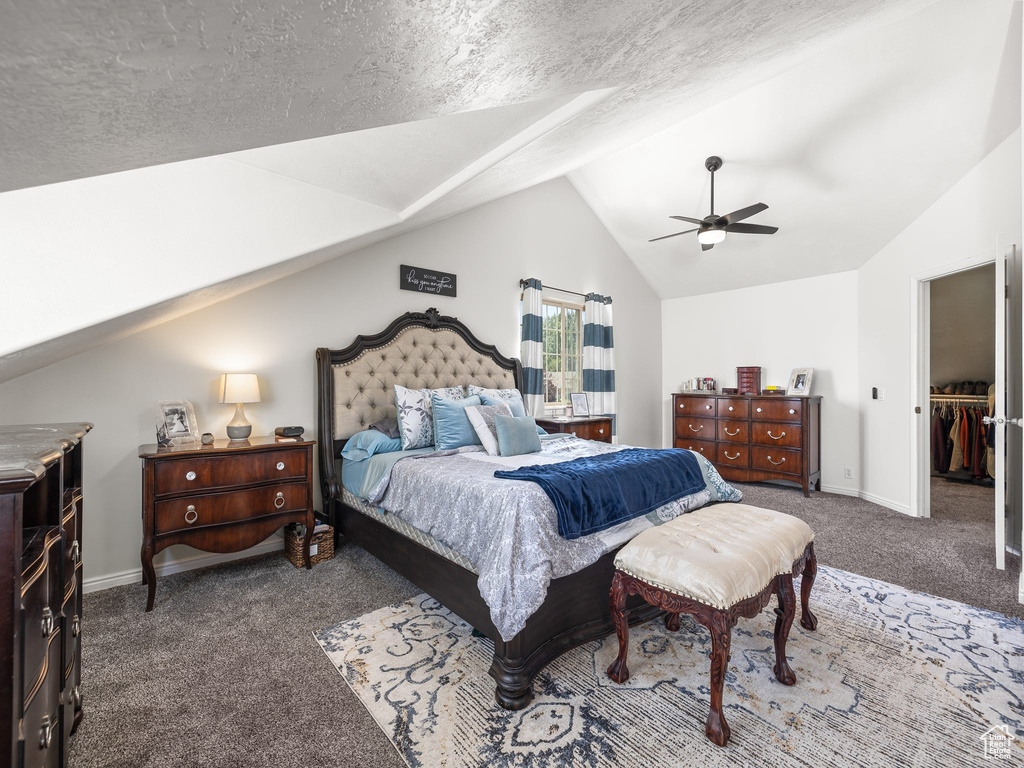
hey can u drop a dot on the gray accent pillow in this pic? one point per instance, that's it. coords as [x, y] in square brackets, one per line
[388, 426]
[482, 419]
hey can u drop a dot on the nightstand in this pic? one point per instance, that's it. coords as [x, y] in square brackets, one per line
[586, 427]
[224, 497]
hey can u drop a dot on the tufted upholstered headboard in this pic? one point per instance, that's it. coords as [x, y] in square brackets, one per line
[419, 350]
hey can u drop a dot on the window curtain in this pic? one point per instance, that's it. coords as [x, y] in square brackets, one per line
[532, 348]
[599, 357]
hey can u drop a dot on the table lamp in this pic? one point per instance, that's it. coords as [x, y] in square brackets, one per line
[239, 388]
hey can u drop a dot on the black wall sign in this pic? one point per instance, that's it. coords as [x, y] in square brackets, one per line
[426, 281]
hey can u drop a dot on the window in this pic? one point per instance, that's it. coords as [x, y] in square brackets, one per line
[563, 351]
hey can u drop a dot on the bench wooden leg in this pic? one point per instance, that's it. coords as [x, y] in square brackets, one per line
[807, 619]
[720, 626]
[672, 622]
[618, 671]
[783, 621]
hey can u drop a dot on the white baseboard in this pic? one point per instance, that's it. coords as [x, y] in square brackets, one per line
[198, 560]
[887, 503]
[840, 490]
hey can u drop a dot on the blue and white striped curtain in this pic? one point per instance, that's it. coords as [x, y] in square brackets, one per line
[599, 357]
[532, 348]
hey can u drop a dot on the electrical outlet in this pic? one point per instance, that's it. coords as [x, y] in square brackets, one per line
[848, 473]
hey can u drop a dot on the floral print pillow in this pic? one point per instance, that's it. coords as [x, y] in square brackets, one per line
[511, 397]
[416, 416]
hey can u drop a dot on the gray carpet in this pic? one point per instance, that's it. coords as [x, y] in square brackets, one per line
[225, 672]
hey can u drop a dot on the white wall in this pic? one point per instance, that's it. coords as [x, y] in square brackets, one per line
[545, 232]
[801, 323]
[963, 327]
[962, 224]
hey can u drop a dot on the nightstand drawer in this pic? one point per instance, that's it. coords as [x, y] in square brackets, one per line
[191, 512]
[597, 430]
[695, 406]
[734, 431]
[703, 447]
[733, 455]
[730, 408]
[695, 429]
[210, 473]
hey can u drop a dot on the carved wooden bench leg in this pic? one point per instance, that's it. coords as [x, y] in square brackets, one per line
[719, 624]
[783, 621]
[672, 622]
[618, 671]
[807, 619]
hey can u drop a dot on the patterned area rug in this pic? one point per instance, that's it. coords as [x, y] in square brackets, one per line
[891, 677]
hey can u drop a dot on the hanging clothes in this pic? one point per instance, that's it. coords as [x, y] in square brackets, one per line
[979, 449]
[940, 443]
[956, 457]
[990, 441]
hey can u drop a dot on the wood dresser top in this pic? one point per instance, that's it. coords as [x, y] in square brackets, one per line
[152, 450]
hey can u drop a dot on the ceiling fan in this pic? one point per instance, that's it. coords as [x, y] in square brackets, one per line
[713, 228]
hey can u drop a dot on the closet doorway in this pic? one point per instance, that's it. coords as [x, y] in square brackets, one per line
[967, 462]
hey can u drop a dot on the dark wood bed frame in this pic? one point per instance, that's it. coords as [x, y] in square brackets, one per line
[577, 607]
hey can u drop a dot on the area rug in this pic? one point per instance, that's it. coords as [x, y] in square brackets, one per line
[891, 677]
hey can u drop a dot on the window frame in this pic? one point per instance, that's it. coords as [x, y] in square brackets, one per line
[580, 308]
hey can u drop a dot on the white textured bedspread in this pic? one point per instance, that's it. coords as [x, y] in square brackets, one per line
[509, 528]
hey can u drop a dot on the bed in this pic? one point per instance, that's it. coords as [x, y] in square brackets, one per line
[356, 388]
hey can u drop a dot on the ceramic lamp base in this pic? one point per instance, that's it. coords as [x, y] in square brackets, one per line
[239, 427]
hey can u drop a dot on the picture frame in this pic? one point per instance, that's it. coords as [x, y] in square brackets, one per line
[580, 404]
[800, 381]
[175, 423]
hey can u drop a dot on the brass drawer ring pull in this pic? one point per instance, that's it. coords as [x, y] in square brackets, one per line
[279, 500]
[191, 511]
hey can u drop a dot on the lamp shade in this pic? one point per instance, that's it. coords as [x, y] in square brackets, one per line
[239, 388]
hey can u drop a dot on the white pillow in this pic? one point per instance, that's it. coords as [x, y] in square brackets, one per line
[482, 419]
[416, 415]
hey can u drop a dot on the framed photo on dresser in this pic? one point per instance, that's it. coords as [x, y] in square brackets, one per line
[175, 423]
[800, 381]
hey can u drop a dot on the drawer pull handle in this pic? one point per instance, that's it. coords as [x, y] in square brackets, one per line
[758, 410]
[47, 622]
[682, 405]
[191, 511]
[773, 437]
[696, 449]
[707, 407]
[280, 465]
[731, 458]
[776, 463]
[190, 475]
[76, 552]
[698, 429]
[46, 733]
[76, 625]
[600, 431]
[279, 500]
[76, 696]
[791, 411]
[731, 434]
[731, 408]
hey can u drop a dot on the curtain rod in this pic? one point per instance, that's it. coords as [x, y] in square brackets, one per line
[523, 284]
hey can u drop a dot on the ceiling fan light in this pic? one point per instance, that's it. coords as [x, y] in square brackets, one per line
[710, 236]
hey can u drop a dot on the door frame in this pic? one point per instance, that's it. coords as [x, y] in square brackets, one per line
[920, 368]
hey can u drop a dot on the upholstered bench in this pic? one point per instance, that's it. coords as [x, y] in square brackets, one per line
[717, 564]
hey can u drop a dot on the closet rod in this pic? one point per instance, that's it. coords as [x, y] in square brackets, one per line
[959, 398]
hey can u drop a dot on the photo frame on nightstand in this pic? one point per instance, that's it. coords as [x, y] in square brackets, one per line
[580, 404]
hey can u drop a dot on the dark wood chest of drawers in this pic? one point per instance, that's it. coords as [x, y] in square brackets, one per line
[41, 583]
[751, 438]
[224, 497]
[585, 427]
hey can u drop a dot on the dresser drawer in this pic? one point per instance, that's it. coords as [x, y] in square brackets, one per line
[696, 406]
[704, 447]
[73, 547]
[729, 408]
[41, 729]
[786, 435]
[695, 429]
[733, 455]
[208, 473]
[776, 409]
[734, 431]
[776, 459]
[189, 512]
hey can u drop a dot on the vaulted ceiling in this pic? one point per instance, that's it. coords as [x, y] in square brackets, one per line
[238, 142]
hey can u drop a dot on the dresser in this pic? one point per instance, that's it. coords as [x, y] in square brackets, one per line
[585, 427]
[224, 497]
[41, 581]
[752, 438]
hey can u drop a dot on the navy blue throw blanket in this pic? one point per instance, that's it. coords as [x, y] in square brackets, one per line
[593, 493]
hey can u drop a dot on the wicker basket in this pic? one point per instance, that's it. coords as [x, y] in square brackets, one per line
[321, 548]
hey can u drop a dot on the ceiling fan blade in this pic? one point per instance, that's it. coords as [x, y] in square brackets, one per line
[751, 229]
[665, 237]
[706, 247]
[688, 219]
[741, 214]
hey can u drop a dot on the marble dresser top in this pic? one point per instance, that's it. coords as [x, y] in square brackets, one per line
[26, 449]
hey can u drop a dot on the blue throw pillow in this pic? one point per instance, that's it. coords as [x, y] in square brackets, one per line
[513, 398]
[362, 445]
[516, 435]
[451, 424]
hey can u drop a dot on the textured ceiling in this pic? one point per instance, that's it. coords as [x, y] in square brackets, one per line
[97, 86]
[847, 149]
